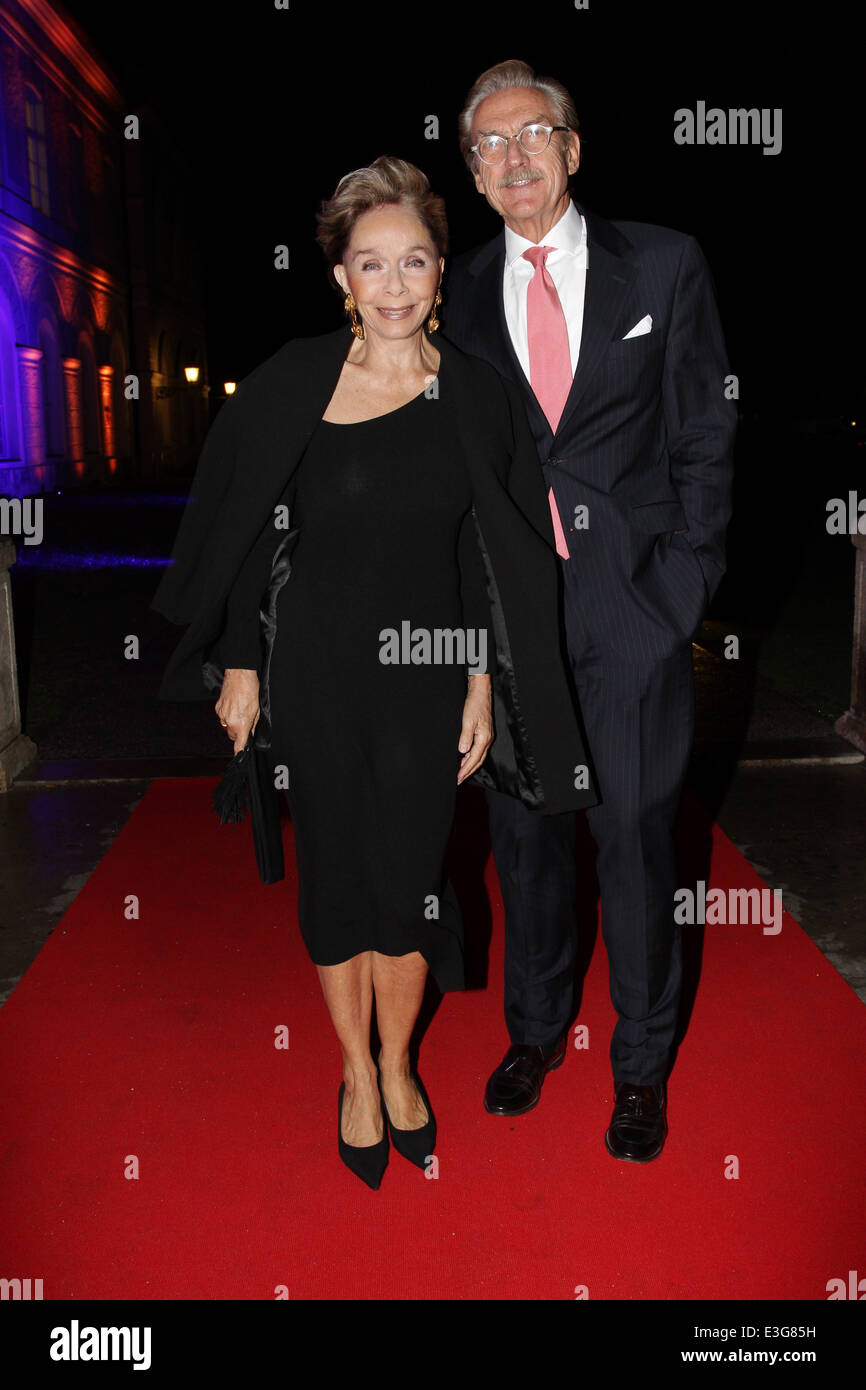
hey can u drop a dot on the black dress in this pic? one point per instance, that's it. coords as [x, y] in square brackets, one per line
[386, 553]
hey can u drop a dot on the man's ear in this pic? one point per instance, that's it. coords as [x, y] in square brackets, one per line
[479, 182]
[573, 152]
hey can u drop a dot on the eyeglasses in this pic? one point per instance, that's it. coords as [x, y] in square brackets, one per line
[532, 138]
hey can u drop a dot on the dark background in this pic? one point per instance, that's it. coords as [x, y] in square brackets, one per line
[272, 107]
[275, 105]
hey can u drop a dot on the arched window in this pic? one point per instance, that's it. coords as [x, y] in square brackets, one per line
[122, 444]
[52, 392]
[76, 179]
[89, 398]
[37, 149]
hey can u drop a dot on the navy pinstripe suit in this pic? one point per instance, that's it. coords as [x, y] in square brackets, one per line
[640, 465]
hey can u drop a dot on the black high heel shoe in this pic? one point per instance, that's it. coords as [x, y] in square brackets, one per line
[415, 1144]
[367, 1163]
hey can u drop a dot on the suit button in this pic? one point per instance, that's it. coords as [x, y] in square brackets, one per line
[553, 460]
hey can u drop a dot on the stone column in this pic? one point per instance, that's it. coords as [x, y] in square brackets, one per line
[16, 750]
[106, 401]
[852, 724]
[30, 375]
[74, 412]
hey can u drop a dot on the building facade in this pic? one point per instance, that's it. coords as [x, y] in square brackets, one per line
[100, 303]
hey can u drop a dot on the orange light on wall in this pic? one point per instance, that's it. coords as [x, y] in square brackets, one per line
[105, 375]
[191, 373]
[30, 365]
[229, 387]
[74, 416]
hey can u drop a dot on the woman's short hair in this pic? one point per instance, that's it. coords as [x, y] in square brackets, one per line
[513, 73]
[385, 182]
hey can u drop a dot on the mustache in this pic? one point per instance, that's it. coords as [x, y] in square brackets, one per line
[523, 176]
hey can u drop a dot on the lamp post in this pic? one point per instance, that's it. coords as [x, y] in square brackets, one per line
[191, 377]
[178, 430]
[852, 724]
[16, 749]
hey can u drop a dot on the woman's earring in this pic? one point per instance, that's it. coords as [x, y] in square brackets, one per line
[433, 322]
[350, 306]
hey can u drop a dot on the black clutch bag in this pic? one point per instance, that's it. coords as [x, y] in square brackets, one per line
[247, 784]
[249, 778]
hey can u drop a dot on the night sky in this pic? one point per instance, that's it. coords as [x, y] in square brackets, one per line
[274, 106]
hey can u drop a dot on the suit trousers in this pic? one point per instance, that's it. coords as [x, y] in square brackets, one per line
[639, 722]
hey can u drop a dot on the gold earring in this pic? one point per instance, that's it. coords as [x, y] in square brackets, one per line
[433, 322]
[350, 306]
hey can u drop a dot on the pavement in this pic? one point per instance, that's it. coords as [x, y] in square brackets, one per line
[791, 795]
[767, 764]
[782, 785]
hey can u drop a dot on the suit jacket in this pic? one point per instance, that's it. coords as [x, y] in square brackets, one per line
[251, 451]
[645, 442]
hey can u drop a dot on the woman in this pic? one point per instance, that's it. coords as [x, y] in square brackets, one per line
[417, 508]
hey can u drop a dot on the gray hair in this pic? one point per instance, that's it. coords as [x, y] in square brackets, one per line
[513, 73]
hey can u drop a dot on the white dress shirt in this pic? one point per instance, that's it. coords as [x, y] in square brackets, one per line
[567, 267]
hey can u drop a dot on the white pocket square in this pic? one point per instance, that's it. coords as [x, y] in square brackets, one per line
[644, 326]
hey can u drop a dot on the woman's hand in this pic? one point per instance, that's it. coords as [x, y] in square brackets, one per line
[238, 704]
[476, 735]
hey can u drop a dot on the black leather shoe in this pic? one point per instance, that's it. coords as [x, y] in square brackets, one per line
[515, 1086]
[638, 1128]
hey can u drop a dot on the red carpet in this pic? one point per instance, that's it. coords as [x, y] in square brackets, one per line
[154, 1038]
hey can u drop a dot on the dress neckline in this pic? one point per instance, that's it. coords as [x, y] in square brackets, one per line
[351, 424]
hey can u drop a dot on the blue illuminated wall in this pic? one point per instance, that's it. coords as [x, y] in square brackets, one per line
[92, 383]
[64, 333]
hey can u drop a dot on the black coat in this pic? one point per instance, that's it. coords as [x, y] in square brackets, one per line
[254, 445]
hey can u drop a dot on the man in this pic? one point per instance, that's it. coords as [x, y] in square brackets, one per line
[612, 331]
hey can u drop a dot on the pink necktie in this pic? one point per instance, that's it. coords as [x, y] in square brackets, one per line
[549, 358]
